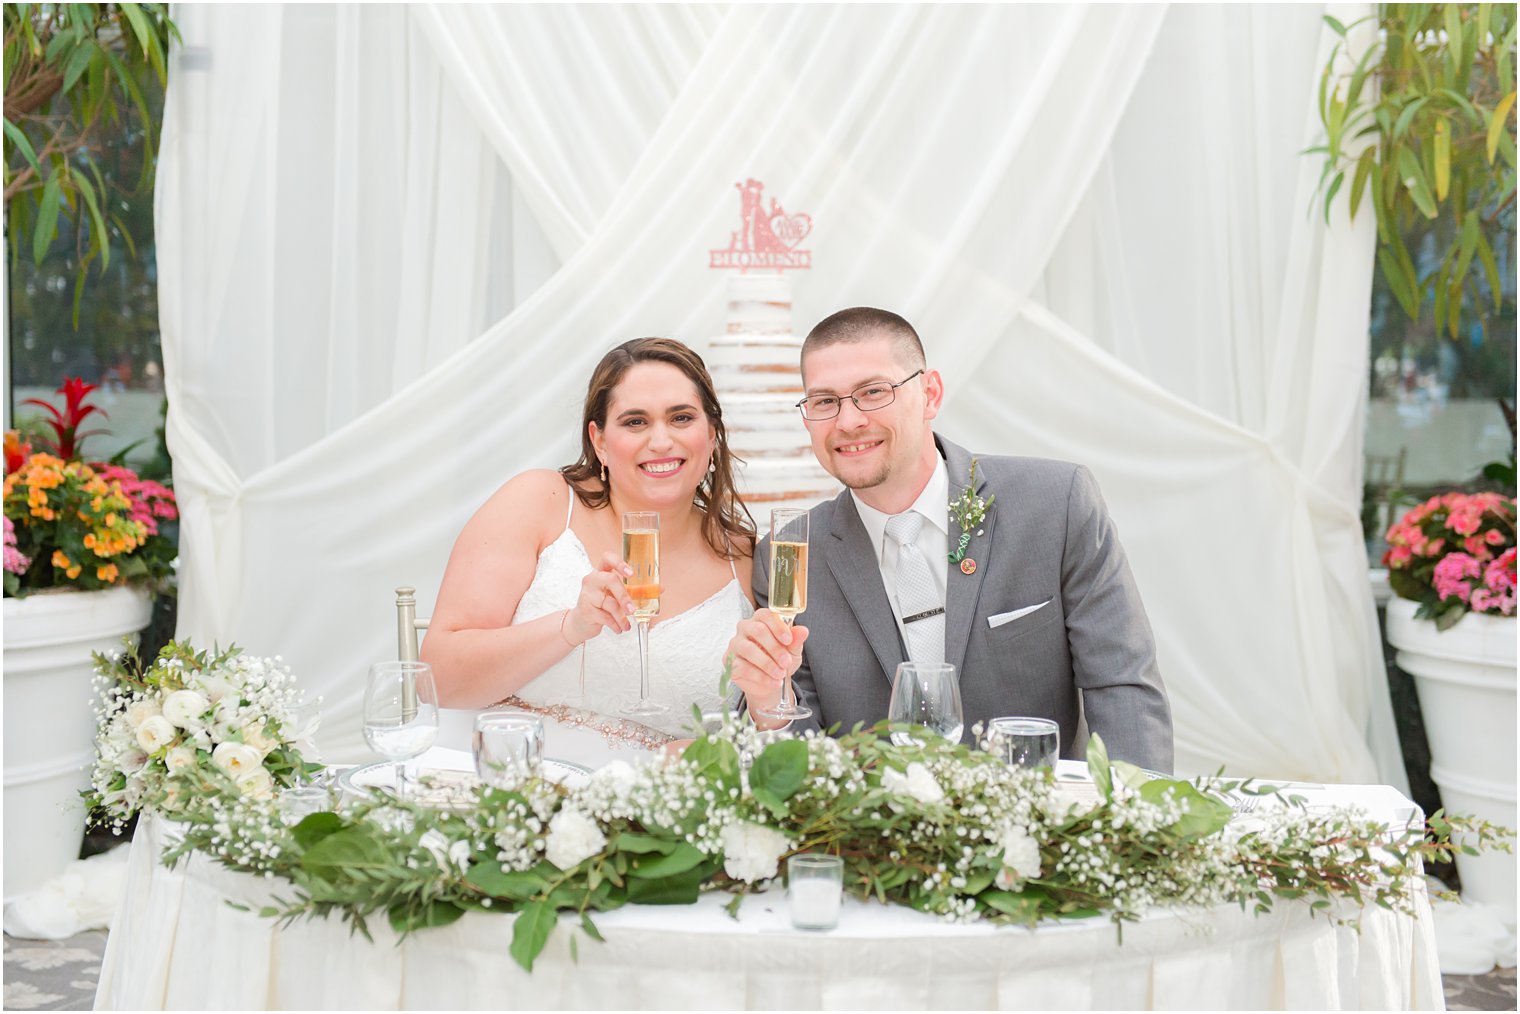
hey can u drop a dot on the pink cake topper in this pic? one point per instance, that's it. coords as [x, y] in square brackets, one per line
[766, 240]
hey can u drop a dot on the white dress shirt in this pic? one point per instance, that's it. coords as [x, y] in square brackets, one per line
[933, 538]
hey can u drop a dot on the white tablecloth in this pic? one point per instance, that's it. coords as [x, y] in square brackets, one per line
[177, 944]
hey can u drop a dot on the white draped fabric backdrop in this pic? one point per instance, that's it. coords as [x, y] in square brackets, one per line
[393, 241]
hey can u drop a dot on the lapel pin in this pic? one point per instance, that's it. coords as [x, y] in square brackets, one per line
[968, 566]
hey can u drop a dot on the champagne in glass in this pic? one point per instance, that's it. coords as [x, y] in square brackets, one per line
[641, 551]
[789, 574]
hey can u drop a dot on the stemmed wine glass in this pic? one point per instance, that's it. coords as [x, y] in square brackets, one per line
[927, 694]
[789, 556]
[400, 713]
[641, 551]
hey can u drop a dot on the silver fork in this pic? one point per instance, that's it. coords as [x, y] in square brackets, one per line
[1245, 804]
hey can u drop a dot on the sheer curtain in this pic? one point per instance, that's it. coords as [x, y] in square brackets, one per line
[394, 241]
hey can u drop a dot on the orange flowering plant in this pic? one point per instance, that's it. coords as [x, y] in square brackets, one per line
[69, 524]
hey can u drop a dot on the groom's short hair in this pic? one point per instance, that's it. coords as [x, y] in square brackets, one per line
[866, 323]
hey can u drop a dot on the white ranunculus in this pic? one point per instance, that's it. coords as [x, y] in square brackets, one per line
[180, 757]
[256, 783]
[155, 733]
[917, 784]
[237, 759]
[185, 707]
[573, 837]
[256, 737]
[140, 711]
[216, 688]
[1021, 858]
[751, 851]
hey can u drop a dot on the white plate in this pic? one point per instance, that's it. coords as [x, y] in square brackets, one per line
[447, 784]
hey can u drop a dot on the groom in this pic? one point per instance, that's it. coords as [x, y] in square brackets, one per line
[1040, 615]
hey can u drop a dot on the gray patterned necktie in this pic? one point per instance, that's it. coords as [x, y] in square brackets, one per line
[918, 603]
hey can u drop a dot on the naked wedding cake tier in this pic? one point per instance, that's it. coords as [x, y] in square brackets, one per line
[754, 367]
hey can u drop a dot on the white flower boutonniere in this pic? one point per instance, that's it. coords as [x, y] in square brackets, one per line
[968, 510]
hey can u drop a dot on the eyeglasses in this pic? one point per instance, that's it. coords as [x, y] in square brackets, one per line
[868, 399]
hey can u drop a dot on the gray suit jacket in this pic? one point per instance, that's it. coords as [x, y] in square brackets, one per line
[1047, 539]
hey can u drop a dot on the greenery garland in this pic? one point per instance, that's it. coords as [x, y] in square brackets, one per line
[936, 826]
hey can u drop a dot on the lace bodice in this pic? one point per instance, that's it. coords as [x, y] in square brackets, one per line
[685, 650]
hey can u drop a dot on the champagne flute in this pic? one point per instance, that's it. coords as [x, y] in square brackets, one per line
[400, 713]
[927, 694]
[789, 574]
[641, 551]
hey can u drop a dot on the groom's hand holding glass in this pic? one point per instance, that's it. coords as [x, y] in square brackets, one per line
[765, 652]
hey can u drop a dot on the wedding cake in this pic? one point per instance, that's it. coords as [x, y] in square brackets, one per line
[755, 368]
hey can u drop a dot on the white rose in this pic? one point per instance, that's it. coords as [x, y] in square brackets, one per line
[573, 837]
[256, 737]
[751, 851]
[180, 757]
[256, 783]
[155, 733]
[140, 711]
[237, 759]
[185, 707]
[1021, 858]
[917, 784]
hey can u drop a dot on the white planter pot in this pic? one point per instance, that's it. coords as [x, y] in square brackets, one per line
[1465, 677]
[50, 723]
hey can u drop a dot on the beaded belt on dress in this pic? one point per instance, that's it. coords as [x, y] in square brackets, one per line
[611, 729]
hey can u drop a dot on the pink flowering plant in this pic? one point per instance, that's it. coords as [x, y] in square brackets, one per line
[1455, 554]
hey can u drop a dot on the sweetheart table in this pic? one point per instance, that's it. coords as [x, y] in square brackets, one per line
[177, 943]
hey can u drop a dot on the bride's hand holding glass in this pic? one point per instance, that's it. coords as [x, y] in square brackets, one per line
[603, 602]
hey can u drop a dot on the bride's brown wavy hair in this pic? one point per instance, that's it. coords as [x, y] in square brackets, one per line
[726, 523]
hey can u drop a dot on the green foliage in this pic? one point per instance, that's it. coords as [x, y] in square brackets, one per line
[936, 826]
[69, 68]
[1423, 122]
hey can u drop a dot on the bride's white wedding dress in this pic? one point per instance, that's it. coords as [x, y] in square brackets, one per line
[582, 695]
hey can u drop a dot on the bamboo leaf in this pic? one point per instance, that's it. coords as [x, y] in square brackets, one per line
[1442, 145]
[1455, 36]
[1413, 178]
[1495, 123]
[1330, 194]
[47, 219]
[79, 62]
[1359, 181]
[1402, 123]
[18, 138]
[100, 237]
[1335, 26]
[1490, 270]
[147, 39]
[1394, 276]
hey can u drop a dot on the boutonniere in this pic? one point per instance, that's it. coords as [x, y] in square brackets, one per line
[968, 510]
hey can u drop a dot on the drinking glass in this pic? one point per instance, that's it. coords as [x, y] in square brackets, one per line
[301, 801]
[400, 713]
[927, 694]
[789, 574]
[814, 889]
[508, 748]
[1025, 742]
[641, 551]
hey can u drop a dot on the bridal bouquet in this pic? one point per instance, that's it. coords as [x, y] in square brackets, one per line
[1453, 554]
[189, 717]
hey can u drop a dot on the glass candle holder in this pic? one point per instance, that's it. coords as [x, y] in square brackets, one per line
[302, 801]
[815, 889]
[508, 748]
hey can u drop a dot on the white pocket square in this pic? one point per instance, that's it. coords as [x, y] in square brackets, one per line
[1001, 618]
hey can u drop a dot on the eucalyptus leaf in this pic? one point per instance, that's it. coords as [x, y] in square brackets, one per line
[530, 933]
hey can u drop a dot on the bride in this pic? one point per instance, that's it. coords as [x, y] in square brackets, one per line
[532, 613]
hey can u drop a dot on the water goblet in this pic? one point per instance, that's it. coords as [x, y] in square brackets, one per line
[508, 748]
[1024, 742]
[926, 694]
[400, 713]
